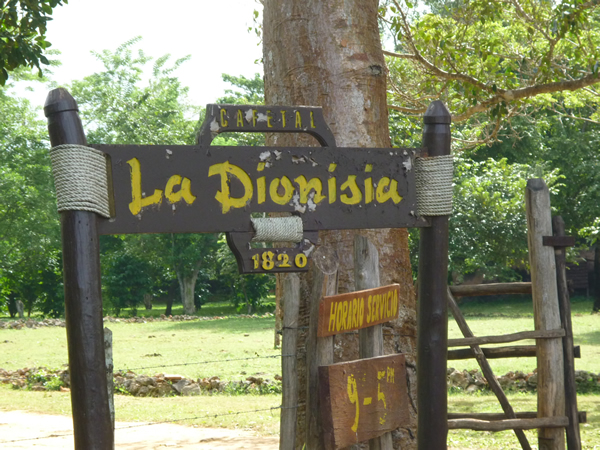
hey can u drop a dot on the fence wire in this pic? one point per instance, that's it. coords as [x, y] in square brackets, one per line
[203, 362]
[148, 424]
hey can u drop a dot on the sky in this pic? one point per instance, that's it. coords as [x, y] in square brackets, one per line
[214, 33]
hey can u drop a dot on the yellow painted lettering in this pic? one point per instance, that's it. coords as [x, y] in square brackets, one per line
[254, 117]
[298, 120]
[396, 302]
[390, 375]
[353, 397]
[369, 309]
[354, 313]
[306, 186]
[286, 184]
[283, 118]
[240, 118]
[261, 190]
[226, 171]
[345, 315]
[332, 189]
[332, 316]
[369, 194]
[184, 191]
[354, 190]
[224, 121]
[269, 118]
[384, 195]
[338, 317]
[349, 318]
[138, 201]
[312, 120]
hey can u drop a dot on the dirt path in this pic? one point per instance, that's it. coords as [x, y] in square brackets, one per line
[28, 430]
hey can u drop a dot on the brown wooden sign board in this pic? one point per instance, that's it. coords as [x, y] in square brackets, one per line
[355, 310]
[271, 119]
[361, 400]
[193, 189]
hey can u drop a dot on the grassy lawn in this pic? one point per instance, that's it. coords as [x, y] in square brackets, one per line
[183, 345]
[514, 314]
[135, 409]
[483, 403]
[143, 347]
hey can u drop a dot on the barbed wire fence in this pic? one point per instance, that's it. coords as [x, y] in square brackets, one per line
[183, 419]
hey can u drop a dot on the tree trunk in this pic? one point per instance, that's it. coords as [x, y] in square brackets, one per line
[187, 285]
[597, 278]
[169, 308]
[329, 54]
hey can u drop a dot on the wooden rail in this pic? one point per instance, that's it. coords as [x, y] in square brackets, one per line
[517, 351]
[581, 416]
[508, 424]
[537, 334]
[471, 290]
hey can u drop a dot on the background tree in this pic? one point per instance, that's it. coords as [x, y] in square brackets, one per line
[23, 34]
[492, 61]
[346, 76]
[30, 269]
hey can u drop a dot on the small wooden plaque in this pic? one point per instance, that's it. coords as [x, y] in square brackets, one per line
[356, 310]
[361, 400]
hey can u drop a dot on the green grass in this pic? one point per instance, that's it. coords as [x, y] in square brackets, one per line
[143, 346]
[521, 402]
[136, 409]
[511, 315]
[193, 341]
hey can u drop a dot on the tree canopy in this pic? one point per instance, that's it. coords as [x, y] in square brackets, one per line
[23, 34]
[493, 60]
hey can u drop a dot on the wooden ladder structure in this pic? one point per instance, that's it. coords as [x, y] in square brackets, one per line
[557, 398]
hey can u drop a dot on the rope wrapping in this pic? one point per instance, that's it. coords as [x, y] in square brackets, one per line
[433, 179]
[278, 229]
[80, 179]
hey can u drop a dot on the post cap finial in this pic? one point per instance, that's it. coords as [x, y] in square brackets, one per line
[437, 112]
[59, 100]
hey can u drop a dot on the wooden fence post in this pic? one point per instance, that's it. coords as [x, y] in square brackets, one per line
[108, 356]
[432, 328]
[564, 304]
[289, 403]
[319, 351]
[83, 301]
[366, 276]
[551, 390]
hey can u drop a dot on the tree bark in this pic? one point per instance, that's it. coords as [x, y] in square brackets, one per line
[329, 54]
[187, 285]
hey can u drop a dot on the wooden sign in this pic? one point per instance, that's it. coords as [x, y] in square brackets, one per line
[193, 189]
[356, 310]
[206, 189]
[361, 400]
[259, 118]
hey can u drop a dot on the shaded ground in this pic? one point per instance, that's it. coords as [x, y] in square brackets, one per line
[23, 430]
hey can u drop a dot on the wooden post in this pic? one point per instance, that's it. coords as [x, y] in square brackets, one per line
[432, 328]
[564, 304]
[108, 356]
[551, 389]
[366, 276]
[289, 402]
[319, 351]
[83, 302]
